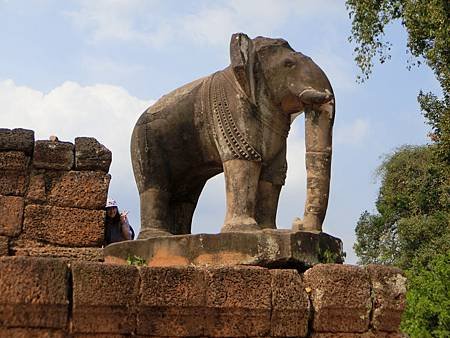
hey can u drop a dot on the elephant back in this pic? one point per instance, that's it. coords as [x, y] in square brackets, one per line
[169, 103]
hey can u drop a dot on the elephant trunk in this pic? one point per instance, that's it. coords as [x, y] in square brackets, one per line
[319, 120]
[310, 96]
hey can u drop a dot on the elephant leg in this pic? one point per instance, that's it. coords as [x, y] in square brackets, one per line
[153, 181]
[241, 184]
[318, 141]
[267, 204]
[154, 213]
[182, 213]
[183, 210]
[273, 176]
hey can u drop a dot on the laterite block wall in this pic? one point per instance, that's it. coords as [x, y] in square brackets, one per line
[44, 297]
[52, 196]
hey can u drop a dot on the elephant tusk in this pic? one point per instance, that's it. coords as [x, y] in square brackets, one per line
[312, 96]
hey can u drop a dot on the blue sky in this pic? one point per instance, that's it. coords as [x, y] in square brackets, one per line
[89, 68]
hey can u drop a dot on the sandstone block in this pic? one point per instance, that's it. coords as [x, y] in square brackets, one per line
[173, 302]
[33, 292]
[64, 226]
[17, 139]
[4, 246]
[53, 155]
[105, 298]
[13, 182]
[91, 155]
[238, 302]
[340, 296]
[11, 211]
[13, 160]
[388, 290]
[290, 304]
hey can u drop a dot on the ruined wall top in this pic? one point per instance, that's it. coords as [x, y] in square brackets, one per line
[52, 195]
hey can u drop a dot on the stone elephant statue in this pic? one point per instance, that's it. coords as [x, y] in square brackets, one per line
[235, 121]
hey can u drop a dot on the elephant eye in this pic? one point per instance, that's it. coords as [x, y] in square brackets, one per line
[289, 63]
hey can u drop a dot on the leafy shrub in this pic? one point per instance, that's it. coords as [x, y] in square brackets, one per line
[428, 299]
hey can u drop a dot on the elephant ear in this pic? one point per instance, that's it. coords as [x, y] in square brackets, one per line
[242, 55]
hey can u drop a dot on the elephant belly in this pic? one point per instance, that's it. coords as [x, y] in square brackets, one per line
[166, 147]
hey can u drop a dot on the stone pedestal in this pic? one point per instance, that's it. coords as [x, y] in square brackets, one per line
[266, 248]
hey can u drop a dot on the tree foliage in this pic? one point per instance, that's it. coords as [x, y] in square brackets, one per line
[411, 228]
[427, 23]
[437, 113]
[427, 314]
[413, 218]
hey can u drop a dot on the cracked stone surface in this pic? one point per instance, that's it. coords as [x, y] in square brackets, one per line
[267, 248]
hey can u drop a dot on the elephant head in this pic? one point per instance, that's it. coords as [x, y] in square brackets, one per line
[271, 73]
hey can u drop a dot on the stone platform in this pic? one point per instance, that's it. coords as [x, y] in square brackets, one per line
[266, 248]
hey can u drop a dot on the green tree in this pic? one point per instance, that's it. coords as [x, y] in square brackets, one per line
[411, 228]
[428, 28]
[413, 218]
[427, 25]
[427, 313]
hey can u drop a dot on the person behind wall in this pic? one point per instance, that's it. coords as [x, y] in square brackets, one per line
[117, 227]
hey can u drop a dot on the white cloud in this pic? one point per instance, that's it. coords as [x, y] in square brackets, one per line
[352, 134]
[105, 112]
[69, 110]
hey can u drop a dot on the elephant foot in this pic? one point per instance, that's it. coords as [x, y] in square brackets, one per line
[241, 224]
[153, 233]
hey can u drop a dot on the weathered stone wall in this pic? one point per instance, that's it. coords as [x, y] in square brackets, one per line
[44, 297]
[52, 196]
